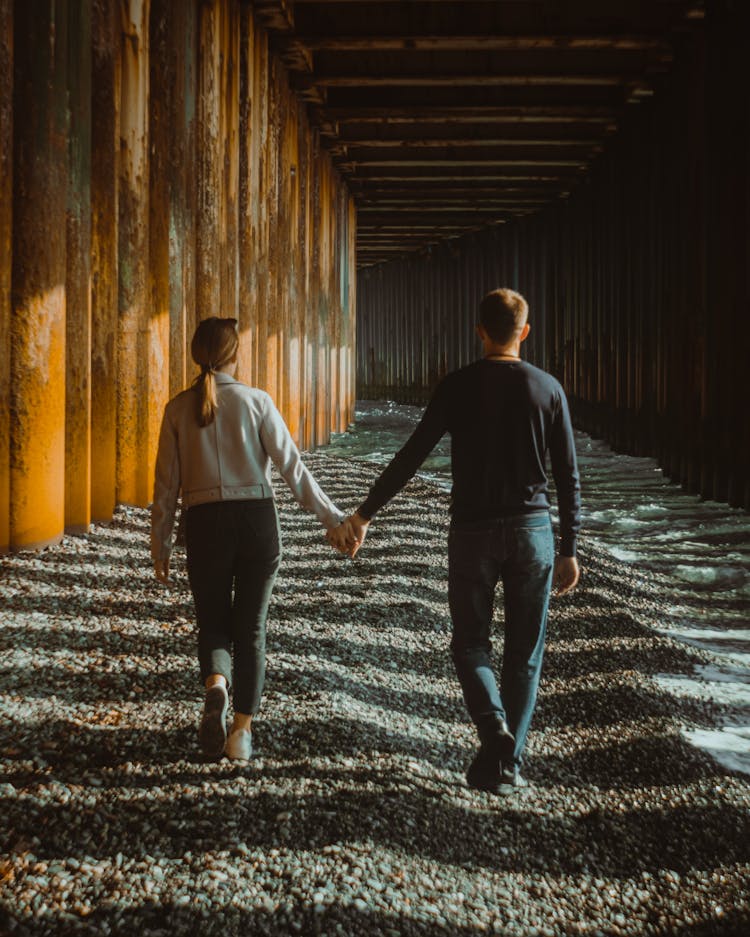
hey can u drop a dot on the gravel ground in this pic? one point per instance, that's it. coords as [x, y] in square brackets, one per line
[354, 817]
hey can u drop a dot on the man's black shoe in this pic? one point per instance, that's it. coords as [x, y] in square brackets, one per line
[497, 746]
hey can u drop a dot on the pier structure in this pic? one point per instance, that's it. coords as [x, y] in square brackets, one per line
[286, 163]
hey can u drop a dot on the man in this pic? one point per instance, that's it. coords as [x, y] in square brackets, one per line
[504, 416]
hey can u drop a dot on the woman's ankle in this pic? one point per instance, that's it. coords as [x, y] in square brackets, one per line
[215, 679]
[242, 721]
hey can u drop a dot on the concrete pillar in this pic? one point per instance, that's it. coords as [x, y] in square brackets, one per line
[6, 229]
[105, 142]
[134, 407]
[40, 165]
[78, 282]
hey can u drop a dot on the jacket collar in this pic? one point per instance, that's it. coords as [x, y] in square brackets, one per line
[221, 378]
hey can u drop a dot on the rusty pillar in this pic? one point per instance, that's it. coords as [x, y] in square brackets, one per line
[105, 133]
[207, 192]
[157, 321]
[287, 248]
[270, 194]
[229, 151]
[247, 201]
[6, 230]
[304, 174]
[78, 281]
[210, 161]
[134, 440]
[40, 165]
[172, 191]
[261, 163]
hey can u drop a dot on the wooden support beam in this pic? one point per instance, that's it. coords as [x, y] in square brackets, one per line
[468, 162]
[374, 195]
[351, 144]
[484, 43]
[468, 207]
[471, 114]
[456, 80]
[466, 216]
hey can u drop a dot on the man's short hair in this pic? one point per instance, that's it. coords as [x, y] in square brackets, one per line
[502, 314]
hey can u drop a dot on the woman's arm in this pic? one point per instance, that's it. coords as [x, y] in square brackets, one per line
[278, 443]
[166, 489]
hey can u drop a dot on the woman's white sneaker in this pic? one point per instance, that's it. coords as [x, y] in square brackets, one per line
[240, 745]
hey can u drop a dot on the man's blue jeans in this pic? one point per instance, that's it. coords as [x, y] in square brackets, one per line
[518, 550]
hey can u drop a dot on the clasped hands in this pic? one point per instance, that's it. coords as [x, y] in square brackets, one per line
[349, 536]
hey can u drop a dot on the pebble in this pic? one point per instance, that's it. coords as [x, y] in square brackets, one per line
[354, 818]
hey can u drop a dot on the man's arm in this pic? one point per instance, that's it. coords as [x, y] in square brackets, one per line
[412, 454]
[567, 482]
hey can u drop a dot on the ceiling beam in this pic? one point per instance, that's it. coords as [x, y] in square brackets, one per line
[478, 79]
[485, 43]
[468, 162]
[474, 114]
[426, 143]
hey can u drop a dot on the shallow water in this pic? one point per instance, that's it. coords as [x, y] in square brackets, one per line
[697, 552]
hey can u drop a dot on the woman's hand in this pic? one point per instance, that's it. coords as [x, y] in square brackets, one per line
[349, 536]
[341, 538]
[161, 570]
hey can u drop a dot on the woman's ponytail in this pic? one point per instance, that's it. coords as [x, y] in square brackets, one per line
[207, 401]
[214, 345]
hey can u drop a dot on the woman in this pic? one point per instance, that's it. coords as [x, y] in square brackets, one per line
[216, 444]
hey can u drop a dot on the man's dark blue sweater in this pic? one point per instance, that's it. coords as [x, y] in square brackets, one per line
[503, 418]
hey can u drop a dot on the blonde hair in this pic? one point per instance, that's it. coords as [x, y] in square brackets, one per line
[214, 345]
[503, 313]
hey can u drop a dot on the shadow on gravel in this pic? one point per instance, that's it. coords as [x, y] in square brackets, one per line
[617, 704]
[114, 577]
[100, 683]
[567, 663]
[70, 750]
[166, 920]
[161, 609]
[651, 761]
[97, 641]
[357, 653]
[510, 837]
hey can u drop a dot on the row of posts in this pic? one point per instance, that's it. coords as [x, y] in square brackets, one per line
[638, 284]
[155, 169]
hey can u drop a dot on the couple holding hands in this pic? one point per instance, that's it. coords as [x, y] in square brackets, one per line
[217, 442]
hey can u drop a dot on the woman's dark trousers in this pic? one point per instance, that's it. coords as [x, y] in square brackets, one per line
[233, 555]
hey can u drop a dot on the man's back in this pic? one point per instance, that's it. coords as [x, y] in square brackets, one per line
[503, 417]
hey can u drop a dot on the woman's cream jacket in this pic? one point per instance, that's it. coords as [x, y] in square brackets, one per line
[228, 460]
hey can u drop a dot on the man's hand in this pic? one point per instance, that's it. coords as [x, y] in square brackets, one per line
[161, 570]
[359, 528]
[342, 537]
[565, 575]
